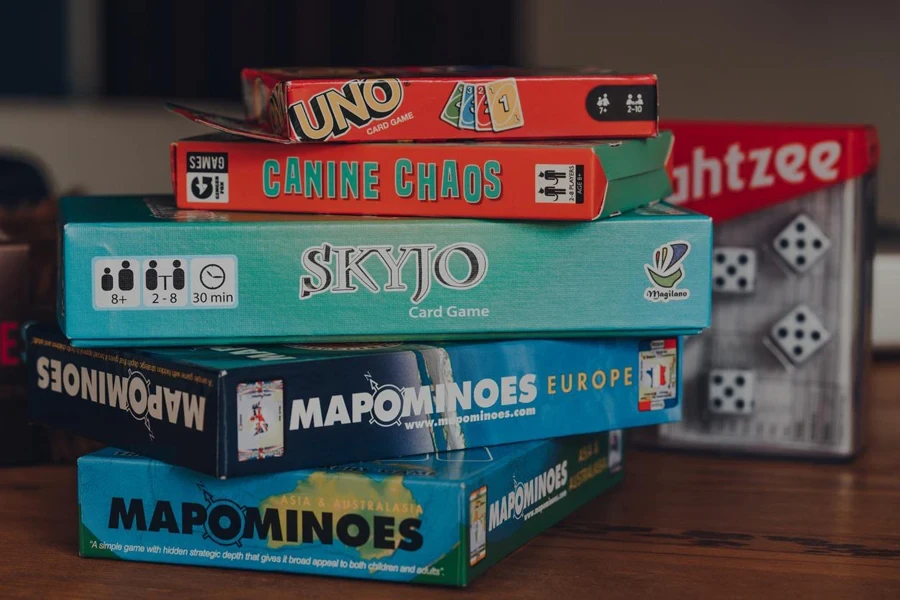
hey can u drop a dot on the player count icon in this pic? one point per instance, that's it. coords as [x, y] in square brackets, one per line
[106, 281]
[552, 192]
[632, 101]
[125, 276]
[603, 104]
[153, 278]
[552, 174]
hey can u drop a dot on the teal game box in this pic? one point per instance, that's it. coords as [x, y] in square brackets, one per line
[434, 519]
[232, 411]
[139, 272]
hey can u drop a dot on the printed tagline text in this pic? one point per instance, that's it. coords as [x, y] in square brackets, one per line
[263, 558]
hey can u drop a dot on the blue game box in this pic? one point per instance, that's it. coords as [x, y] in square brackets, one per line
[230, 411]
[438, 518]
[139, 272]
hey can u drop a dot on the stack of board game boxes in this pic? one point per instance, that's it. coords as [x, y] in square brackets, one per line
[235, 355]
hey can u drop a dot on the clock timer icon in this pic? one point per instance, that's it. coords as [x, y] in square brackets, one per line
[212, 277]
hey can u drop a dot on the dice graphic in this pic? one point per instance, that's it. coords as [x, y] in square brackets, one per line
[800, 334]
[801, 244]
[731, 392]
[734, 270]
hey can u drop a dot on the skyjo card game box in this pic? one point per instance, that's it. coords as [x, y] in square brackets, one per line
[231, 411]
[576, 181]
[782, 368]
[440, 518]
[138, 272]
[439, 103]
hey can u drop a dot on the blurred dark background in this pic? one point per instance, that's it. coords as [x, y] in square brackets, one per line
[83, 80]
[196, 48]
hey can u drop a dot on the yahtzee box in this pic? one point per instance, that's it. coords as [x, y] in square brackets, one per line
[574, 181]
[440, 518]
[231, 411]
[439, 103]
[138, 272]
[782, 369]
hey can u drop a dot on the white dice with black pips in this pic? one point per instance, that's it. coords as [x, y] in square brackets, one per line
[800, 334]
[801, 244]
[734, 270]
[731, 392]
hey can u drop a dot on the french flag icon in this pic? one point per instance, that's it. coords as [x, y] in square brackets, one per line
[656, 376]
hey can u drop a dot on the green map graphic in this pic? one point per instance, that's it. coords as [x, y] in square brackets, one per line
[350, 493]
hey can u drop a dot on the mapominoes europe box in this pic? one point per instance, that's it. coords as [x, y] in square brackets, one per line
[438, 519]
[231, 411]
[137, 271]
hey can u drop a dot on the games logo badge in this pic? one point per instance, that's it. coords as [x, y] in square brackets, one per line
[207, 177]
[667, 272]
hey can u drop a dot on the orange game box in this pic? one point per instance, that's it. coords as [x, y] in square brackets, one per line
[574, 181]
[439, 103]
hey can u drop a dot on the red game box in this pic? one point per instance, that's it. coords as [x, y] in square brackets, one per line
[574, 181]
[439, 103]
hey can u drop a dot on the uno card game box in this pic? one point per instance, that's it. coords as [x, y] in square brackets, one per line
[782, 369]
[439, 103]
[138, 272]
[17, 436]
[441, 518]
[231, 411]
[576, 181]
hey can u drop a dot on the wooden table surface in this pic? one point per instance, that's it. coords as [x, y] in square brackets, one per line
[680, 526]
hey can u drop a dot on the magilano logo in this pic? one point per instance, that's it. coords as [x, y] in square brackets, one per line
[667, 271]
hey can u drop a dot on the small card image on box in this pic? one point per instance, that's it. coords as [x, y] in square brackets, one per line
[260, 420]
[658, 375]
[478, 525]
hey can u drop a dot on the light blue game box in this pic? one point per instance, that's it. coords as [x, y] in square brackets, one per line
[138, 272]
[438, 518]
[238, 411]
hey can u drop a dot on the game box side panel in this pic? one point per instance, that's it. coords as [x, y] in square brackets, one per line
[152, 406]
[535, 491]
[364, 525]
[321, 279]
[387, 405]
